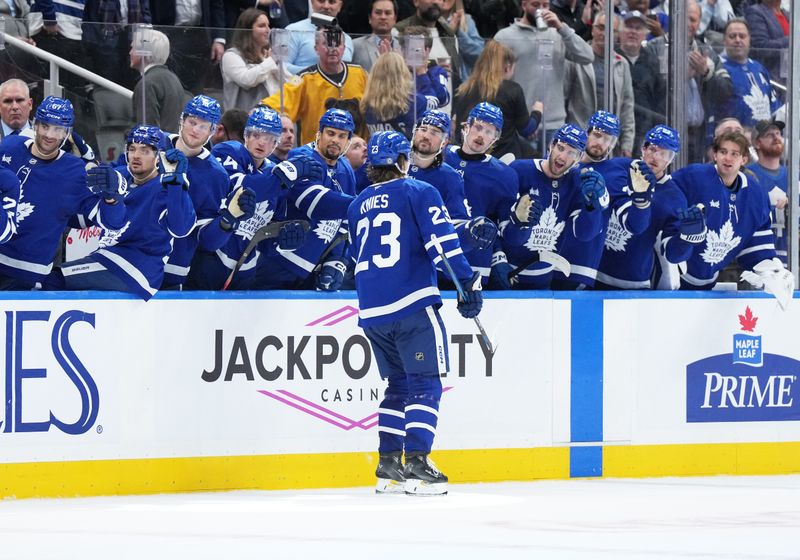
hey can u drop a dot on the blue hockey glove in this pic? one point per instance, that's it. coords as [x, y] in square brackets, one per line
[331, 276]
[174, 166]
[692, 225]
[81, 149]
[593, 189]
[498, 276]
[240, 205]
[104, 181]
[526, 211]
[291, 236]
[471, 306]
[482, 232]
[643, 183]
[297, 168]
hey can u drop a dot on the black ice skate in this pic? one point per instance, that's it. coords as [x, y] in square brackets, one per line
[422, 476]
[390, 474]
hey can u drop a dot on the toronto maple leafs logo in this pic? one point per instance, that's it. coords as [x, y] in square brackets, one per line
[262, 216]
[719, 244]
[544, 236]
[111, 236]
[617, 236]
[757, 101]
[326, 229]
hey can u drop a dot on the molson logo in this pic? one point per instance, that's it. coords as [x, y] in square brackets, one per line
[746, 385]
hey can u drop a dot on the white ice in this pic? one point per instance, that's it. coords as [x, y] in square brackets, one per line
[726, 518]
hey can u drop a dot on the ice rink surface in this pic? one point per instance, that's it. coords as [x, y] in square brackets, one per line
[730, 518]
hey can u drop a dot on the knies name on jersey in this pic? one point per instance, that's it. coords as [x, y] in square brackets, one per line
[377, 201]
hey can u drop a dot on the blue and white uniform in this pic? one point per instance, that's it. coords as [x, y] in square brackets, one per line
[9, 193]
[431, 94]
[768, 181]
[738, 221]
[753, 98]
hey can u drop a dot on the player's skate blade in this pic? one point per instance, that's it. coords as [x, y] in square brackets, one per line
[390, 474]
[421, 488]
[422, 476]
[389, 486]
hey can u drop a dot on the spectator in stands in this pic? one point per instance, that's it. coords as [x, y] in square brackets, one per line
[544, 52]
[714, 15]
[56, 28]
[769, 36]
[280, 12]
[492, 15]
[571, 13]
[357, 156]
[15, 13]
[382, 18]
[302, 44]
[230, 127]
[285, 142]
[753, 98]
[15, 108]
[107, 31]
[249, 73]
[304, 102]
[470, 43]
[657, 22]
[444, 49]
[585, 90]
[491, 82]
[773, 177]
[389, 101]
[197, 34]
[159, 96]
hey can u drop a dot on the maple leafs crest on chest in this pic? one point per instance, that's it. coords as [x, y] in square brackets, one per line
[719, 244]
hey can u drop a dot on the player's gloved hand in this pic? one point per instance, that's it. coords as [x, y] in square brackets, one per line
[498, 276]
[643, 183]
[770, 275]
[471, 306]
[299, 167]
[482, 231]
[526, 211]
[331, 276]
[174, 166]
[692, 224]
[80, 148]
[104, 181]
[291, 236]
[240, 205]
[593, 189]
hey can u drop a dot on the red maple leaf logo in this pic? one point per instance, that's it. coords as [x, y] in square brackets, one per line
[747, 320]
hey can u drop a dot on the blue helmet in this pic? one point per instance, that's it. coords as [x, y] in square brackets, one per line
[663, 137]
[204, 107]
[337, 118]
[605, 122]
[56, 111]
[439, 119]
[385, 147]
[571, 135]
[486, 112]
[264, 119]
[147, 135]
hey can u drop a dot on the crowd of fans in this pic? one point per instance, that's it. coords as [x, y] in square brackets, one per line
[513, 83]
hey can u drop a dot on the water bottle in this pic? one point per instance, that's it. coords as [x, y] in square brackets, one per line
[540, 23]
[275, 10]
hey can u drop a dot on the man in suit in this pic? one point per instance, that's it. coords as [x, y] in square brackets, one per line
[196, 35]
[382, 19]
[15, 107]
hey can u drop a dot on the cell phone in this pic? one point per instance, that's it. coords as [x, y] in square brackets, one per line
[652, 16]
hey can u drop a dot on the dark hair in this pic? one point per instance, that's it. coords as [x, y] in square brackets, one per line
[737, 138]
[243, 36]
[385, 172]
[234, 120]
[350, 105]
[394, 4]
[417, 30]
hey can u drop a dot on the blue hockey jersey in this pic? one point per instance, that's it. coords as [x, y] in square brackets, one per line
[51, 193]
[491, 188]
[738, 223]
[431, 94]
[768, 181]
[753, 98]
[137, 251]
[9, 192]
[393, 225]
[208, 188]
[564, 209]
[450, 186]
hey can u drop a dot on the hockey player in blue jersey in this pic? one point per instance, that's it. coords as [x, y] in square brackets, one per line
[630, 187]
[554, 195]
[398, 226]
[158, 208]
[52, 191]
[9, 193]
[491, 187]
[208, 188]
[738, 219]
[628, 261]
[324, 204]
[428, 142]
[255, 197]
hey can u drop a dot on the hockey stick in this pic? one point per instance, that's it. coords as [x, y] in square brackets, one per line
[462, 295]
[557, 261]
[269, 231]
[340, 238]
